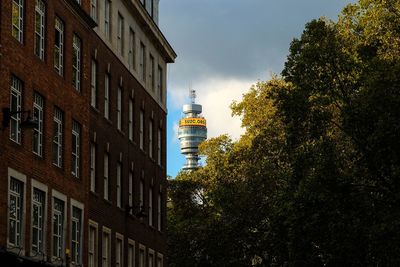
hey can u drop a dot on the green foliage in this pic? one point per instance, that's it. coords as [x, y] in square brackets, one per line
[315, 179]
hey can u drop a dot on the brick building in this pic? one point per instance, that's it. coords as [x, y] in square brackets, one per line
[85, 186]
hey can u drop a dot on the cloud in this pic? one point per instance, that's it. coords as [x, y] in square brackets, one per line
[215, 95]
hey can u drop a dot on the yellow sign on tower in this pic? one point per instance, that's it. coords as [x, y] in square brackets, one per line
[192, 122]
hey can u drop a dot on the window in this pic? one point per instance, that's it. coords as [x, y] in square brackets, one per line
[18, 19]
[106, 180]
[119, 250]
[130, 120]
[40, 11]
[119, 185]
[16, 211]
[141, 257]
[119, 108]
[151, 206]
[131, 253]
[78, 1]
[159, 155]
[159, 260]
[76, 148]
[106, 249]
[76, 62]
[141, 192]
[149, 6]
[15, 105]
[58, 228]
[59, 46]
[38, 222]
[160, 84]
[132, 50]
[93, 9]
[120, 34]
[37, 138]
[92, 248]
[93, 85]
[76, 235]
[93, 167]
[151, 258]
[159, 212]
[142, 63]
[130, 192]
[107, 19]
[141, 126]
[107, 96]
[151, 138]
[57, 137]
[152, 74]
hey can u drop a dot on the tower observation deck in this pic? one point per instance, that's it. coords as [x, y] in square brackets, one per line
[192, 131]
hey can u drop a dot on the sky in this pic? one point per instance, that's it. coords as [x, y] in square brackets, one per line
[223, 48]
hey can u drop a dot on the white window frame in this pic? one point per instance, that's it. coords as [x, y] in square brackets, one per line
[40, 16]
[106, 171]
[59, 48]
[75, 148]
[152, 73]
[142, 255]
[141, 194]
[93, 9]
[60, 236]
[57, 138]
[159, 211]
[77, 240]
[160, 260]
[106, 250]
[93, 244]
[119, 108]
[160, 84]
[93, 84]
[130, 191]
[18, 27]
[151, 138]
[119, 252]
[119, 184]
[92, 167]
[76, 65]
[17, 87]
[141, 129]
[37, 138]
[19, 245]
[130, 120]
[107, 19]
[39, 249]
[132, 49]
[159, 146]
[131, 253]
[120, 34]
[142, 62]
[150, 206]
[150, 258]
[107, 81]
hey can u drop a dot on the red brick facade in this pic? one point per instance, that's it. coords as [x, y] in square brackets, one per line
[17, 59]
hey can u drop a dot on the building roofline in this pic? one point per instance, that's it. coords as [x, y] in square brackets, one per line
[84, 17]
[148, 25]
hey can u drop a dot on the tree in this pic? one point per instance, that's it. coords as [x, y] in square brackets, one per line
[315, 179]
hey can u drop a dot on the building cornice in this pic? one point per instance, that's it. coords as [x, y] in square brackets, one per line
[81, 14]
[150, 27]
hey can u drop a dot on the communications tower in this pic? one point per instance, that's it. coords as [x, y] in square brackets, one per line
[192, 131]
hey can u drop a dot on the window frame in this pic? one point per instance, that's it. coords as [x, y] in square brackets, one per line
[106, 261]
[77, 241]
[76, 131]
[93, 250]
[40, 11]
[41, 229]
[93, 159]
[61, 236]
[17, 30]
[59, 27]
[38, 111]
[58, 118]
[106, 175]
[93, 84]
[17, 88]
[76, 62]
